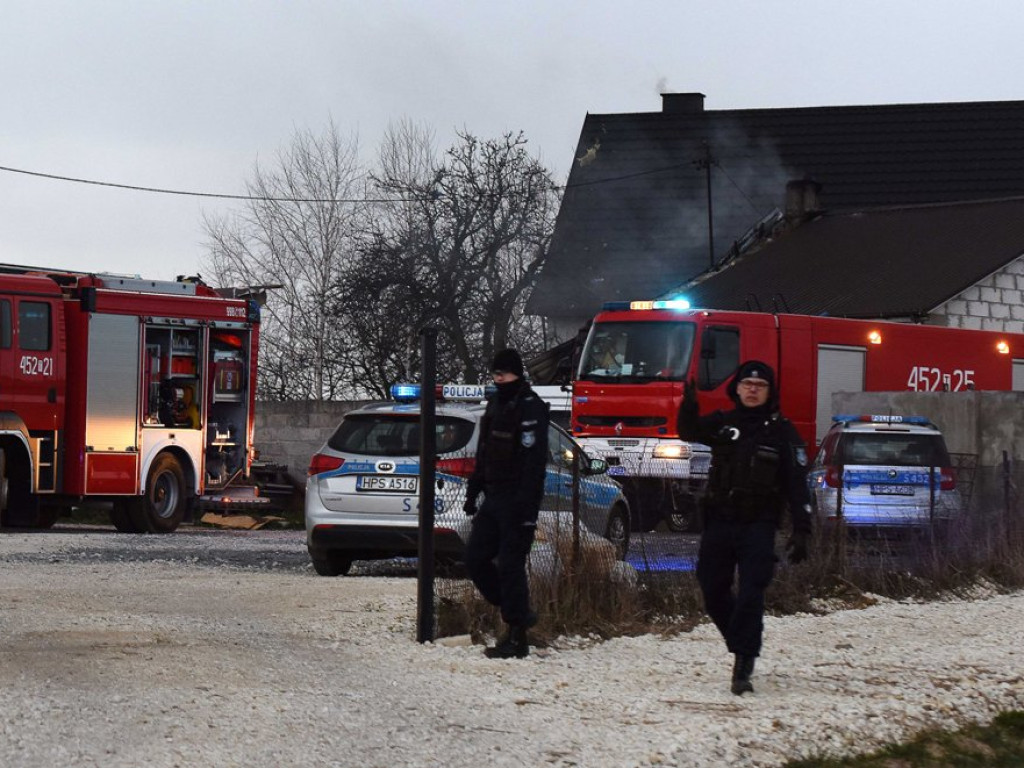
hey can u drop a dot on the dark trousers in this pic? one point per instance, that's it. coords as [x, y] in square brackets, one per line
[496, 553]
[728, 549]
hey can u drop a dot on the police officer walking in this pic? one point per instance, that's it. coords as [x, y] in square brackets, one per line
[758, 466]
[511, 458]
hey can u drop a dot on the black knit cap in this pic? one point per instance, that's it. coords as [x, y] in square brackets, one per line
[508, 361]
[754, 369]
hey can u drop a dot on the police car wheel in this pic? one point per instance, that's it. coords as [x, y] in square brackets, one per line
[330, 563]
[617, 531]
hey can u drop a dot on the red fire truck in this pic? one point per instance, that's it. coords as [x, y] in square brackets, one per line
[134, 392]
[629, 382]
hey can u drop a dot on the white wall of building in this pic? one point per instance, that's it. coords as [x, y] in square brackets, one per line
[993, 304]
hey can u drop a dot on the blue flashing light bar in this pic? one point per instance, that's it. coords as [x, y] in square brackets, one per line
[881, 419]
[672, 304]
[410, 393]
[404, 393]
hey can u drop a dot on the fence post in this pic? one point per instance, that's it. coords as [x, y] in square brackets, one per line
[428, 456]
[576, 453]
[1006, 485]
[931, 493]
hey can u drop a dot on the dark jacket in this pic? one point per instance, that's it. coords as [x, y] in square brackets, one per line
[512, 451]
[758, 461]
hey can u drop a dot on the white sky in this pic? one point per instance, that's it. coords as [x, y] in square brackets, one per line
[188, 94]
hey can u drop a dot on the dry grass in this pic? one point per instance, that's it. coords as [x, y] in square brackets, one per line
[587, 594]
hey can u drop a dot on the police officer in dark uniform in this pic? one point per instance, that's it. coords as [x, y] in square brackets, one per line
[511, 459]
[758, 466]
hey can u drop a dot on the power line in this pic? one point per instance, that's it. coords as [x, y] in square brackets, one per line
[739, 189]
[608, 179]
[267, 199]
[185, 193]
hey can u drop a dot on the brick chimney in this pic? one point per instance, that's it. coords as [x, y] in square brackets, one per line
[677, 103]
[802, 199]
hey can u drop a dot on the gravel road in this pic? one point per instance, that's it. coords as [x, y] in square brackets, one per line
[219, 648]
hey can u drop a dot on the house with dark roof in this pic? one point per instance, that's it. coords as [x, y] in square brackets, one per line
[958, 264]
[656, 199]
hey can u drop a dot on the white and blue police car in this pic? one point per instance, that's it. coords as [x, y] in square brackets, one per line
[362, 491]
[884, 472]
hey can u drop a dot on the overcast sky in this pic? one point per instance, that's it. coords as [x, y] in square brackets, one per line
[189, 94]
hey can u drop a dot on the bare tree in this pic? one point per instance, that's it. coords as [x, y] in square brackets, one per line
[298, 232]
[458, 248]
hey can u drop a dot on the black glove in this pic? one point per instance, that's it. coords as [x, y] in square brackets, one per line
[796, 548]
[469, 505]
[690, 391]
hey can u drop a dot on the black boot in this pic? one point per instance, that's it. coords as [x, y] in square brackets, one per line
[514, 645]
[742, 669]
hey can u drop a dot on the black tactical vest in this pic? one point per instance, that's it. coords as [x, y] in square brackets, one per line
[744, 477]
[502, 457]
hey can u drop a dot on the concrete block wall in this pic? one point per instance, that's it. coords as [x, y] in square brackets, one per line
[993, 304]
[984, 424]
[290, 433]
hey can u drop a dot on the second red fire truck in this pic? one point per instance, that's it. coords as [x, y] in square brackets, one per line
[132, 392]
[637, 356]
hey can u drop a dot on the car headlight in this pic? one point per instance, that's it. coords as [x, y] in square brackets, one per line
[669, 451]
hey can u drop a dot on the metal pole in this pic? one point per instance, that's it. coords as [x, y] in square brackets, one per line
[576, 460]
[1006, 487]
[711, 216]
[428, 460]
[931, 493]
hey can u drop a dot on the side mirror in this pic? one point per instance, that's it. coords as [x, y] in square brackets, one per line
[597, 467]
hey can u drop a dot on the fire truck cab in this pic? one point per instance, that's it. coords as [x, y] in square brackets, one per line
[132, 392]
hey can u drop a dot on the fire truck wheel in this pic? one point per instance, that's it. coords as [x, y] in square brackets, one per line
[47, 517]
[3, 481]
[19, 507]
[683, 519]
[162, 508]
[121, 517]
[330, 563]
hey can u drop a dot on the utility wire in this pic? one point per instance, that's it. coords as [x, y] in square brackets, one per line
[204, 194]
[663, 169]
[626, 176]
[258, 198]
[739, 189]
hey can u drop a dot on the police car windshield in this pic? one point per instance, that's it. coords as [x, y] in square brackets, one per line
[900, 449]
[636, 352]
[391, 434]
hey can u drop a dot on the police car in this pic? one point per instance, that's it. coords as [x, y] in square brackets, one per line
[883, 471]
[362, 491]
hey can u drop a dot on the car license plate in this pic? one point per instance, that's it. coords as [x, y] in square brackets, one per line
[616, 471]
[388, 483]
[892, 490]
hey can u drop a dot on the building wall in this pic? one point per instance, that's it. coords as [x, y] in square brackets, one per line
[993, 304]
[290, 433]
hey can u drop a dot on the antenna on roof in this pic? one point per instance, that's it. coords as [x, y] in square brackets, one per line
[777, 300]
[753, 305]
[704, 163]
